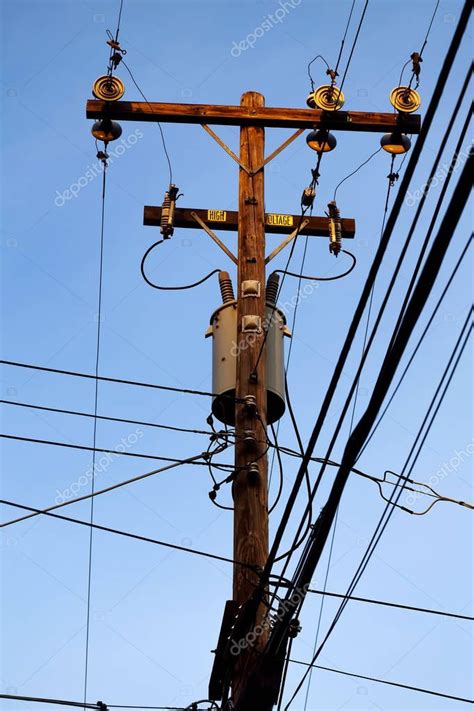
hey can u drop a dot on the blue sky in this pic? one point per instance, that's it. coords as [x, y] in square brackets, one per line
[156, 613]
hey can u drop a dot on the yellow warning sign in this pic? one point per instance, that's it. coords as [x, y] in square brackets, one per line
[279, 220]
[217, 215]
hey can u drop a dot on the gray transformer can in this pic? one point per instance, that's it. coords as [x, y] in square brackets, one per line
[226, 343]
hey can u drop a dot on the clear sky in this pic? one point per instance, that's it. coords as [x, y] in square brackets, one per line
[156, 613]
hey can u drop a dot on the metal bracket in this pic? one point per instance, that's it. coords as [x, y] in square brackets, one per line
[278, 150]
[286, 241]
[226, 148]
[267, 160]
[213, 236]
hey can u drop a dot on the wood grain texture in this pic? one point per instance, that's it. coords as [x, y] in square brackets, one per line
[317, 227]
[250, 499]
[256, 116]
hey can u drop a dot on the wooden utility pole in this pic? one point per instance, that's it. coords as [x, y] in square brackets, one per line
[250, 483]
[250, 489]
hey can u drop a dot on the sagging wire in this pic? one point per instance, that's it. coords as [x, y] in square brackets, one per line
[372, 155]
[170, 288]
[416, 57]
[229, 479]
[385, 480]
[316, 278]
[318, 56]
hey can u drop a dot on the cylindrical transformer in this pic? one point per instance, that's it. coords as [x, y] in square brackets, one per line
[225, 348]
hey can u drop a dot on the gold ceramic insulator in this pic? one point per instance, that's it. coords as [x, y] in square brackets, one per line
[326, 98]
[405, 99]
[108, 88]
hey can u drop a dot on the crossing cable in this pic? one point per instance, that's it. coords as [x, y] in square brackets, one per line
[118, 485]
[387, 295]
[421, 293]
[381, 526]
[166, 388]
[315, 176]
[420, 340]
[384, 681]
[319, 535]
[43, 408]
[398, 606]
[127, 534]
[443, 190]
[384, 242]
[311, 496]
[82, 447]
[429, 492]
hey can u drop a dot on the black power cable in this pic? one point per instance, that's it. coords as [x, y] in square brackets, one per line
[380, 528]
[127, 534]
[398, 606]
[384, 681]
[361, 431]
[167, 388]
[319, 278]
[368, 345]
[398, 203]
[170, 288]
[118, 485]
[420, 341]
[67, 445]
[160, 128]
[58, 410]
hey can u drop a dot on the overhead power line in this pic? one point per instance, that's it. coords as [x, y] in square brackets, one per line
[118, 485]
[58, 410]
[83, 447]
[60, 702]
[127, 534]
[383, 245]
[105, 379]
[387, 513]
[384, 681]
[412, 608]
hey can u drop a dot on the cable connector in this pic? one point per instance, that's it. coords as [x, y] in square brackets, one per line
[294, 628]
[250, 405]
[253, 474]
[335, 228]
[307, 198]
[103, 156]
[167, 211]
[416, 68]
[392, 178]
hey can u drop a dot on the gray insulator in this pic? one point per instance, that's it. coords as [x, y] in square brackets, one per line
[271, 292]
[227, 290]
